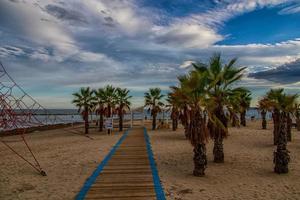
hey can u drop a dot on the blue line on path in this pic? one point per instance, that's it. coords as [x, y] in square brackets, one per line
[160, 195]
[89, 182]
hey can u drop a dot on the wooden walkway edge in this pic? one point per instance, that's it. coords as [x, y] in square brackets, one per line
[127, 172]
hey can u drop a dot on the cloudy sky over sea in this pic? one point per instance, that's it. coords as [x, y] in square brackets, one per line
[51, 48]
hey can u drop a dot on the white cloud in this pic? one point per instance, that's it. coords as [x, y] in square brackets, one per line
[187, 36]
[290, 10]
[186, 64]
[10, 50]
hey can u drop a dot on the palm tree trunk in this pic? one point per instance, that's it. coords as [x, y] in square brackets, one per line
[298, 123]
[197, 137]
[154, 121]
[101, 123]
[233, 120]
[174, 116]
[109, 115]
[86, 121]
[289, 127]
[120, 121]
[276, 121]
[218, 150]
[243, 118]
[264, 121]
[185, 122]
[281, 155]
[174, 124]
[218, 135]
[200, 160]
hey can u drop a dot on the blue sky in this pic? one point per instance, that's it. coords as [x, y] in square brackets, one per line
[54, 47]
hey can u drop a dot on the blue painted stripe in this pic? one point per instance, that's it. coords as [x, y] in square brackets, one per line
[89, 182]
[160, 195]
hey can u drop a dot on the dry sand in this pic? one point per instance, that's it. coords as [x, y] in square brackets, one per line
[67, 158]
[246, 174]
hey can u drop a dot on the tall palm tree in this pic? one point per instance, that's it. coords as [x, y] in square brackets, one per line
[110, 100]
[284, 104]
[263, 106]
[193, 87]
[123, 102]
[272, 96]
[85, 101]
[153, 100]
[220, 79]
[100, 96]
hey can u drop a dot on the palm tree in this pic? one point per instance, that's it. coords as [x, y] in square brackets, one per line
[181, 97]
[110, 99]
[297, 115]
[174, 105]
[100, 96]
[284, 104]
[220, 79]
[193, 87]
[244, 102]
[153, 100]
[263, 106]
[123, 104]
[85, 100]
[272, 96]
[234, 108]
[290, 111]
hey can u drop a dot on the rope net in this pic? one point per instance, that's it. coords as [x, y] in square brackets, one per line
[19, 111]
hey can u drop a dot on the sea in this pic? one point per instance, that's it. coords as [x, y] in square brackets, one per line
[72, 115]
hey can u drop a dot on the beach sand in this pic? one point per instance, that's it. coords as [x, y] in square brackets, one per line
[67, 158]
[246, 174]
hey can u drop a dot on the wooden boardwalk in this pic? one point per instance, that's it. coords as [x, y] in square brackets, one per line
[128, 173]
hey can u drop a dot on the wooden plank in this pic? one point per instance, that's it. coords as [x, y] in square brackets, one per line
[127, 174]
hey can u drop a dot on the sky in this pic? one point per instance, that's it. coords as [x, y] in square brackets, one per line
[54, 47]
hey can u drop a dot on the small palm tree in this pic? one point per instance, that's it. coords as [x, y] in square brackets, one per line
[153, 100]
[85, 101]
[174, 106]
[110, 100]
[234, 108]
[122, 99]
[244, 103]
[100, 96]
[181, 98]
[263, 106]
[297, 115]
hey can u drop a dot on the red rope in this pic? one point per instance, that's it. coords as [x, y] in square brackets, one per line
[22, 157]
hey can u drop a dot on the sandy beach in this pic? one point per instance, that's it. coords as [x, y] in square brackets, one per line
[246, 174]
[67, 158]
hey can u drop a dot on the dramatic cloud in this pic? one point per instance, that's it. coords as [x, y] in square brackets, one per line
[286, 74]
[63, 45]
